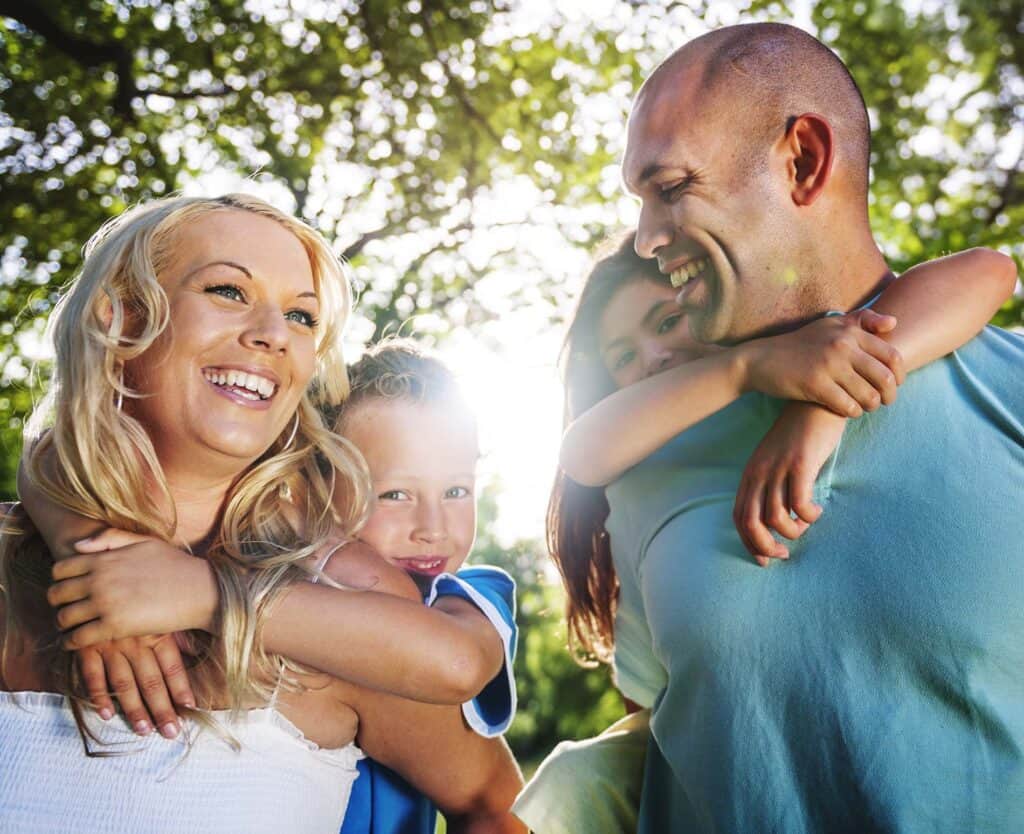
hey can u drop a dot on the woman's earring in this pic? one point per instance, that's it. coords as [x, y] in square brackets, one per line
[295, 430]
[120, 389]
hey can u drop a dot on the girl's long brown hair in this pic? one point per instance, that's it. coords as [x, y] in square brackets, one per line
[576, 535]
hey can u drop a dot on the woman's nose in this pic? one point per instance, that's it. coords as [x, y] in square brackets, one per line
[266, 329]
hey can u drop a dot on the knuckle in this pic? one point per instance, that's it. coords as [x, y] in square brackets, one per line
[122, 684]
[151, 684]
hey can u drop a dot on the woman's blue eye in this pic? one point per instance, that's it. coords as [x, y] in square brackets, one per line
[392, 495]
[624, 360]
[669, 322]
[303, 317]
[456, 492]
[227, 291]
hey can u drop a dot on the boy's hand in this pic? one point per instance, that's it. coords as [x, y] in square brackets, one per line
[839, 362]
[146, 674]
[779, 477]
[127, 585]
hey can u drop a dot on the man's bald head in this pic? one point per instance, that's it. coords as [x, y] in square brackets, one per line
[769, 73]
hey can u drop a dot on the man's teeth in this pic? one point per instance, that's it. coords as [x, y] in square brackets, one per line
[243, 383]
[688, 271]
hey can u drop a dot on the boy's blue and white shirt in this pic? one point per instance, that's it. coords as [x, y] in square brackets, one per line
[382, 802]
[493, 592]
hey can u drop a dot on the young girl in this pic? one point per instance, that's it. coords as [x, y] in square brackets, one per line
[418, 437]
[627, 328]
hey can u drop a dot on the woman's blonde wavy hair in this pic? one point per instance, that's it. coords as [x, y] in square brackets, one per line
[102, 465]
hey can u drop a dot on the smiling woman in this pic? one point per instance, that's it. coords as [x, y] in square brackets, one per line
[193, 354]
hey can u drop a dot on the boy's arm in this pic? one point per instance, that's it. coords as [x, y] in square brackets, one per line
[940, 305]
[128, 587]
[834, 362]
[472, 779]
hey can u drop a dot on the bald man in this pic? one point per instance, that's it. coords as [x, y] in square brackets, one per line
[875, 681]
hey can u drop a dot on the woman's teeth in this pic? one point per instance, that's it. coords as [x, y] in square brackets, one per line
[688, 271]
[248, 385]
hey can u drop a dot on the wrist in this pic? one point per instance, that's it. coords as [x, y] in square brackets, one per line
[741, 365]
[206, 598]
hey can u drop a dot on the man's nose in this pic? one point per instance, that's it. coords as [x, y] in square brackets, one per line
[653, 231]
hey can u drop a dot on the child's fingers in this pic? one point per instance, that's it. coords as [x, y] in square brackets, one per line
[68, 591]
[109, 539]
[877, 323]
[172, 667]
[748, 517]
[76, 614]
[94, 675]
[776, 513]
[73, 566]
[878, 375]
[801, 490]
[91, 634]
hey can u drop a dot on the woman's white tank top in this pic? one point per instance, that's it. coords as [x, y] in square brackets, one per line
[277, 781]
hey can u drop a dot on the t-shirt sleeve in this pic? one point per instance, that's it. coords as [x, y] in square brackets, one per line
[494, 592]
[638, 673]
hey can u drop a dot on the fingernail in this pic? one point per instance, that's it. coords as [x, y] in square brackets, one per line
[142, 728]
[106, 713]
[169, 730]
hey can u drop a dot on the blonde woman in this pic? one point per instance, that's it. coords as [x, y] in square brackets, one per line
[191, 354]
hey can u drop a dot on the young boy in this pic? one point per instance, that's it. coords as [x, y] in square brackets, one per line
[406, 415]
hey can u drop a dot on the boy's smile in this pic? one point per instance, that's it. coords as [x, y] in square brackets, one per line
[422, 458]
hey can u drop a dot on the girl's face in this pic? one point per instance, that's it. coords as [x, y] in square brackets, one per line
[642, 332]
[422, 458]
[225, 377]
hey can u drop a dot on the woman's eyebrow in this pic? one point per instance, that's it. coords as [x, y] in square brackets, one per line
[232, 264]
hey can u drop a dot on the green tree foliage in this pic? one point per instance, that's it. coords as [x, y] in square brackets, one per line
[386, 123]
[558, 699]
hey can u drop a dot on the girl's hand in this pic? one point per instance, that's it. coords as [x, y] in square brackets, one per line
[126, 585]
[148, 677]
[837, 361]
[779, 478]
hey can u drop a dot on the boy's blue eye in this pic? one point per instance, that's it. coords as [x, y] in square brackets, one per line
[457, 492]
[393, 495]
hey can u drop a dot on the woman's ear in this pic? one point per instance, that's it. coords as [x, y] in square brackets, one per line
[810, 149]
[105, 311]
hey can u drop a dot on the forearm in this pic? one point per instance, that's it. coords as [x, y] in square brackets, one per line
[627, 426]
[382, 642]
[944, 303]
[59, 527]
[472, 779]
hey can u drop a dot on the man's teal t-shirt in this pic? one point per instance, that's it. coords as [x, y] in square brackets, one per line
[875, 681]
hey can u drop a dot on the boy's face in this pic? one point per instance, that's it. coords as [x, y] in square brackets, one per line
[422, 459]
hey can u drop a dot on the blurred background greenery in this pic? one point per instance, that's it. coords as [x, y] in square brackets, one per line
[462, 156]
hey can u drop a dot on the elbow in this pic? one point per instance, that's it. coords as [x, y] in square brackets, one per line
[999, 270]
[579, 469]
[468, 671]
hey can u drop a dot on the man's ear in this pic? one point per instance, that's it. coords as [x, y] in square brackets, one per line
[810, 148]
